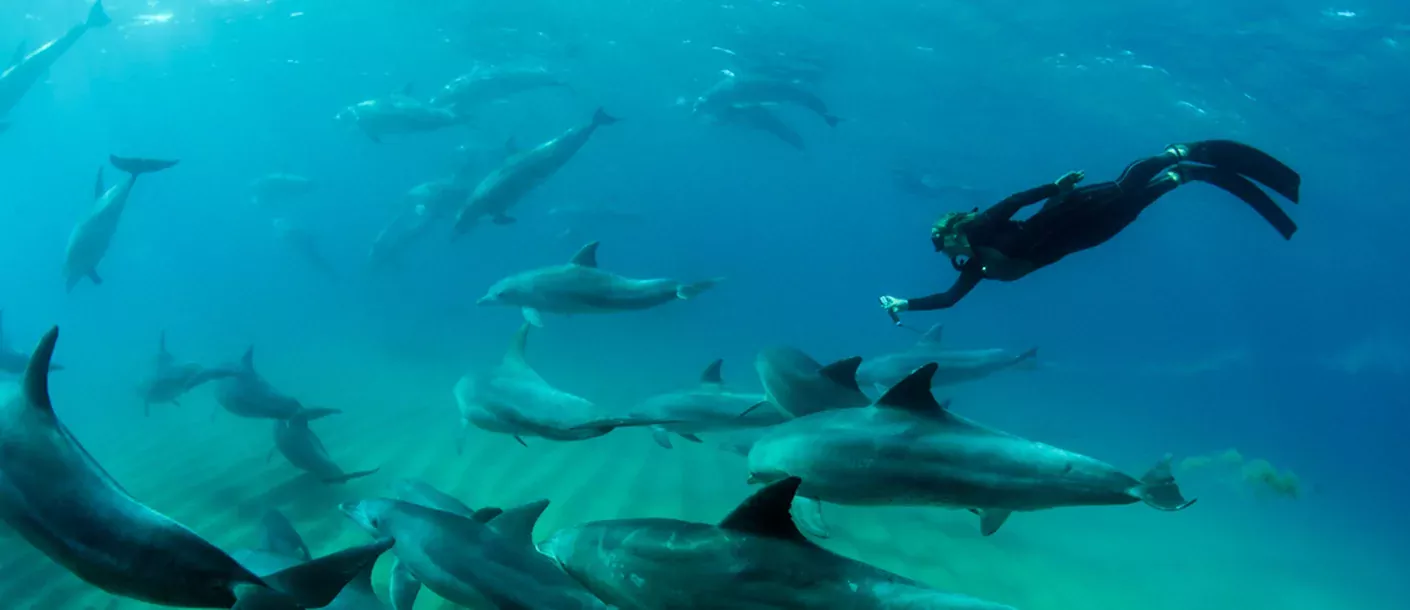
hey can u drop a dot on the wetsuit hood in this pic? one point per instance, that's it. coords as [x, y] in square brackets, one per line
[947, 234]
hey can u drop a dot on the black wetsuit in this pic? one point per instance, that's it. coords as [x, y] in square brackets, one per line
[1091, 215]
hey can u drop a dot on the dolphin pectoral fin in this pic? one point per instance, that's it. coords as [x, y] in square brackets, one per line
[314, 584]
[269, 456]
[402, 587]
[175, 402]
[521, 440]
[807, 513]
[18, 55]
[661, 437]
[98, 184]
[255, 597]
[690, 437]
[93, 275]
[371, 136]
[501, 219]
[1159, 491]
[532, 316]
[308, 415]
[991, 520]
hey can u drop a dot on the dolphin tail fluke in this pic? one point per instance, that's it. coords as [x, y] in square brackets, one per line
[314, 584]
[1028, 354]
[1159, 491]
[97, 17]
[689, 291]
[348, 476]
[602, 119]
[137, 167]
[832, 119]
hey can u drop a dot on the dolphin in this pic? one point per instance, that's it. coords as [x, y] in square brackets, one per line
[420, 492]
[760, 118]
[298, 444]
[799, 385]
[281, 547]
[170, 380]
[60, 500]
[247, 394]
[26, 70]
[424, 206]
[483, 86]
[955, 366]
[523, 172]
[305, 245]
[88, 243]
[707, 407]
[466, 562]
[754, 558]
[735, 91]
[398, 114]
[930, 186]
[581, 287]
[513, 399]
[907, 449]
[13, 361]
[272, 188]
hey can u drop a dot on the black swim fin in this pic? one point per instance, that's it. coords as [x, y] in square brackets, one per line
[1247, 191]
[1248, 161]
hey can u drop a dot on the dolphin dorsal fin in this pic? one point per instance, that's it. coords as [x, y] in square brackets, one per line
[517, 347]
[843, 372]
[586, 256]
[932, 336]
[517, 524]
[247, 362]
[913, 393]
[98, 184]
[712, 376]
[766, 513]
[485, 515]
[36, 373]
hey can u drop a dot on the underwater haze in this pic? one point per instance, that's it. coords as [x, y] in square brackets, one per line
[1276, 373]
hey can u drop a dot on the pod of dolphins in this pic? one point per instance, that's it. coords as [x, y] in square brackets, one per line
[814, 436]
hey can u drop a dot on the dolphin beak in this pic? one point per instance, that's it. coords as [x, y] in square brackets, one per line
[484, 300]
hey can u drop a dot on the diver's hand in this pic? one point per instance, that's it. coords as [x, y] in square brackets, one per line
[1069, 180]
[893, 305]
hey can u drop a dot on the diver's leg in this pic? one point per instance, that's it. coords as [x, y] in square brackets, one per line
[1249, 192]
[1243, 159]
[1139, 174]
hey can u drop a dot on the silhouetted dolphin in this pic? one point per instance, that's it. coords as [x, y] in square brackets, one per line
[523, 172]
[398, 114]
[706, 407]
[484, 86]
[581, 287]
[170, 379]
[281, 547]
[955, 366]
[799, 385]
[89, 242]
[247, 394]
[474, 564]
[761, 118]
[755, 558]
[513, 399]
[298, 444]
[419, 492]
[735, 91]
[907, 449]
[56, 496]
[26, 70]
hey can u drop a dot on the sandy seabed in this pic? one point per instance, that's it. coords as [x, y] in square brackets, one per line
[211, 471]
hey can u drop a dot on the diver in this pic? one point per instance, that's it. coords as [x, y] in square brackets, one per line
[991, 245]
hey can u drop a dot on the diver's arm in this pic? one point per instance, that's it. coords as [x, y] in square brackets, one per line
[1005, 209]
[969, 278]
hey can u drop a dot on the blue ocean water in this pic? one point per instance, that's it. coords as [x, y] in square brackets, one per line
[1195, 331]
